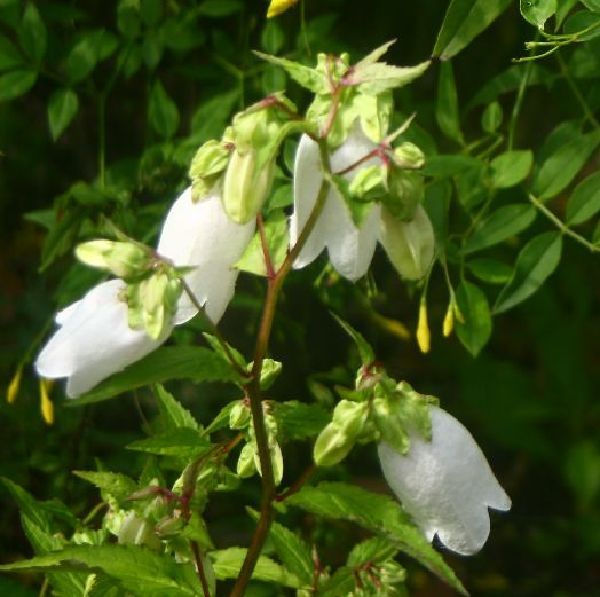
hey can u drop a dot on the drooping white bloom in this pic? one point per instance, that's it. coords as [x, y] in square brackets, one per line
[94, 339]
[350, 248]
[446, 485]
[409, 244]
[202, 236]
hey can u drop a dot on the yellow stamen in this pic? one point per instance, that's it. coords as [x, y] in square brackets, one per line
[14, 385]
[423, 335]
[448, 320]
[46, 405]
[276, 7]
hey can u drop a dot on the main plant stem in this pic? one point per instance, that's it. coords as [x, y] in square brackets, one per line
[253, 391]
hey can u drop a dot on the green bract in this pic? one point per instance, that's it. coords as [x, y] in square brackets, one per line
[206, 167]
[123, 259]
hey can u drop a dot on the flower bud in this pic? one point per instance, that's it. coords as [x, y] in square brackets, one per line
[245, 186]
[14, 385]
[123, 259]
[423, 335]
[448, 325]
[206, 167]
[408, 155]
[46, 405]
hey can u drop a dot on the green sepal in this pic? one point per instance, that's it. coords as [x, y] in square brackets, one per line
[358, 209]
[338, 438]
[207, 166]
[245, 464]
[406, 190]
[239, 415]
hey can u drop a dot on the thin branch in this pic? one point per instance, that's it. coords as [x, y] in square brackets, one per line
[200, 567]
[563, 227]
[298, 483]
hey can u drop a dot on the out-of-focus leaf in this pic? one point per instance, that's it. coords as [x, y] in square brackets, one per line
[510, 168]
[585, 200]
[536, 261]
[16, 83]
[367, 356]
[465, 20]
[298, 420]
[62, 108]
[446, 105]
[491, 271]
[219, 8]
[162, 112]
[9, 55]
[32, 33]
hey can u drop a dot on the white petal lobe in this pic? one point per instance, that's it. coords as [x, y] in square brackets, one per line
[446, 485]
[93, 340]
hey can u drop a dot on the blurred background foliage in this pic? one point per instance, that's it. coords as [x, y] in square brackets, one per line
[106, 105]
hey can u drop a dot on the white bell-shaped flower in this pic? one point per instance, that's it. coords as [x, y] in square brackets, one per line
[94, 340]
[200, 235]
[350, 248]
[446, 485]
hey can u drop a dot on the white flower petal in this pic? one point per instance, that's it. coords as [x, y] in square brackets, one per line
[446, 485]
[350, 248]
[201, 235]
[94, 340]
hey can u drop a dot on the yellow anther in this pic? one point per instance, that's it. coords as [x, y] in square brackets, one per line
[423, 335]
[46, 405]
[276, 7]
[448, 320]
[14, 385]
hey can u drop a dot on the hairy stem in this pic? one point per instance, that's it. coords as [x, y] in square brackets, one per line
[253, 387]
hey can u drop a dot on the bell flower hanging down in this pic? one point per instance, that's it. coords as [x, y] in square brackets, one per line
[445, 484]
[409, 243]
[95, 339]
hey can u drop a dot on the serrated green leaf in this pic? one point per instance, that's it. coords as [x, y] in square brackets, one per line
[198, 364]
[62, 108]
[29, 507]
[162, 112]
[137, 569]
[172, 413]
[536, 261]
[373, 79]
[32, 33]
[294, 553]
[15, 83]
[375, 549]
[378, 513]
[476, 329]
[465, 20]
[584, 203]
[537, 12]
[491, 271]
[367, 356]
[446, 105]
[560, 167]
[227, 564]
[181, 442]
[305, 76]
[298, 420]
[510, 168]
[116, 484]
[505, 222]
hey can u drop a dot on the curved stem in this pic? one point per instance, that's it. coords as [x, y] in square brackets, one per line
[253, 387]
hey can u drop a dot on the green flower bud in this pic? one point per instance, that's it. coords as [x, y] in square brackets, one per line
[245, 186]
[123, 259]
[409, 245]
[408, 155]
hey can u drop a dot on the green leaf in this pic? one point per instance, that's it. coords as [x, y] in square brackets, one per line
[375, 549]
[505, 222]
[305, 76]
[62, 108]
[277, 241]
[367, 356]
[172, 413]
[585, 200]
[115, 484]
[449, 165]
[16, 83]
[272, 37]
[28, 506]
[219, 8]
[139, 570]
[537, 12]
[465, 20]
[374, 79]
[510, 168]
[491, 118]
[294, 553]
[536, 261]
[181, 442]
[561, 166]
[128, 18]
[476, 329]
[491, 271]
[227, 564]
[211, 116]
[81, 60]
[298, 420]
[151, 11]
[9, 55]
[162, 112]
[593, 5]
[168, 362]
[32, 33]
[378, 513]
[446, 105]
